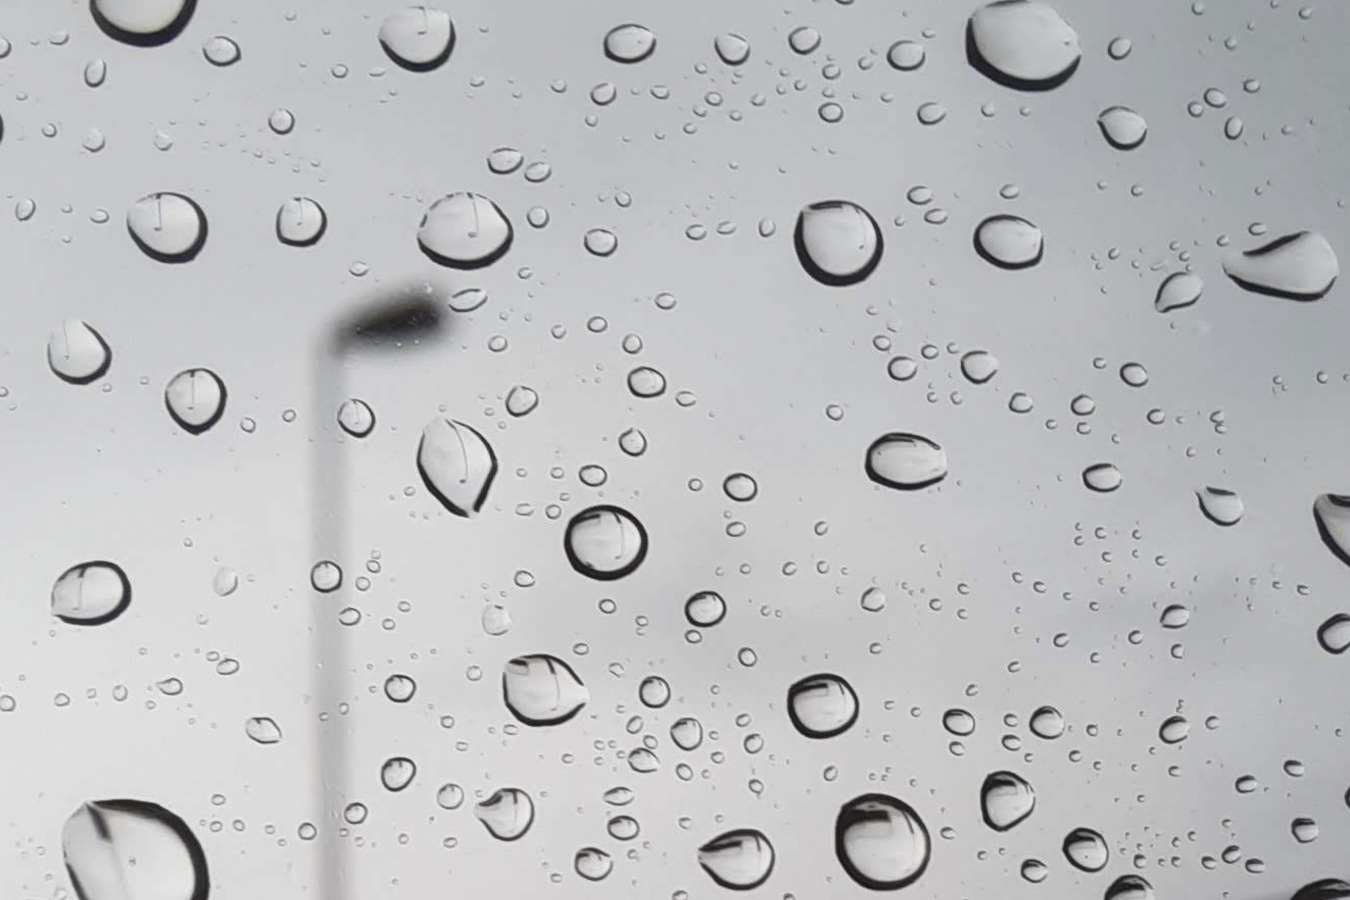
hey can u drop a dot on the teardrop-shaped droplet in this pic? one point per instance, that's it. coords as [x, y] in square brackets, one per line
[1129, 887]
[221, 51]
[301, 222]
[979, 366]
[1178, 290]
[1022, 44]
[1323, 889]
[822, 706]
[1009, 242]
[1122, 127]
[397, 773]
[133, 850]
[592, 863]
[542, 690]
[1220, 506]
[1047, 723]
[91, 593]
[1086, 850]
[168, 227]
[1005, 800]
[906, 462]
[507, 814]
[881, 842]
[1102, 478]
[1334, 634]
[731, 48]
[418, 38]
[1331, 512]
[457, 465]
[837, 242]
[740, 860]
[1298, 266]
[195, 399]
[629, 43]
[464, 230]
[142, 23]
[262, 730]
[643, 761]
[77, 353]
[356, 417]
[605, 542]
[687, 733]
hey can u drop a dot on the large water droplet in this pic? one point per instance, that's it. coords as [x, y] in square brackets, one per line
[1222, 507]
[418, 38]
[262, 730]
[144, 23]
[1086, 850]
[195, 399]
[1129, 887]
[881, 842]
[732, 48]
[133, 850]
[91, 593]
[1122, 127]
[397, 773]
[687, 733]
[1334, 634]
[356, 417]
[168, 227]
[837, 242]
[600, 242]
[904, 461]
[906, 56]
[1009, 242]
[1022, 44]
[456, 464]
[521, 400]
[592, 863]
[1298, 266]
[301, 222]
[1005, 800]
[1178, 290]
[605, 542]
[464, 230]
[542, 690]
[629, 43]
[740, 860]
[959, 722]
[221, 51]
[705, 609]
[1102, 478]
[1331, 512]
[77, 353]
[507, 814]
[822, 706]
[1047, 723]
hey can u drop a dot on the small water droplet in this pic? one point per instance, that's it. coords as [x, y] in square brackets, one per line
[600, 241]
[906, 56]
[168, 227]
[464, 230]
[195, 399]
[1122, 127]
[418, 38]
[142, 23]
[837, 242]
[629, 43]
[397, 773]
[804, 39]
[262, 730]
[301, 222]
[281, 121]
[705, 609]
[1086, 850]
[1009, 242]
[605, 542]
[95, 71]
[1178, 290]
[77, 353]
[979, 366]
[732, 48]
[1102, 477]
[356, 417]
[1220, 506]
[221, 51]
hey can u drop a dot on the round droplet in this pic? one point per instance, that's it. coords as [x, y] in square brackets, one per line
[740, 860]
[1005, 800]
[646, 382]
[592, 863]
[822, 706]
[804, 39]
[906, 462]
[979, 366]
[1022, 44]
[633, 442]
[168, 227]
[931, 113]
[906, 55]
[397, 772]
[77, 353]
[281, 121]
[301, 222]
[654, 691]
[902, 368]
[262, 730]
[600, 242]
[1299, 266]
[873, 599]
[1323, 889]
[1102, 478]
[837, 242]
[325, 576]
[1047, 723]
[1331, 512]
[542, 690]
[221, 51]
[643, 761]
[1122, 127]
[881, 842]
[143, 23]
[418, 38]
[464, 230]
[505, 160]
[740, 487]
[1334, 634]
[356, 417]
[605, 542]
[1232, 128]
[195, 399]
[629, 43]
[705, 609]
[94, 72]
[91, 593]
[732, 48]
[521, 400]
[399, 688]
[457, 465]
[225, 582]
[132, 849]
[1178, 290]
[1129, 887]
[1222, 507]
[959, 722]
[1086, 850]
[1119, 48]
[450, 796]
[507, 814]
[1009, 242]
[1133, 374]
[1304, 830]
[687, 733]
[1035, 871]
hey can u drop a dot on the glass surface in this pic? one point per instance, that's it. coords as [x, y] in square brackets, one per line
[655, 450]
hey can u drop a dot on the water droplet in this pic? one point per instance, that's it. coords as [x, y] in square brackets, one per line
[326, 576]
[1331, 512]
[1298, 266]
[629, 43]
[418, 38]
[132, 849]
[507, 814]
[804, 39]
[1178, 290]
[281, 121]
[1005, 800]
[397, 772]
[1122, 127]
[740, 487]
[356, 417]
[301, 222]
[931, 113]
[705, 609]
[822, 706]
[1304, 830]
[687, 733]
[225, 582]
[1323, 889]
[600, 241]
[1047, 723]
[959, 722]
[450, 796]
[979, 366]
[457, 465]
[906, 56]
[1102, 477]
[143, 23]
[195, 399]
[94, 72]
[1232, 128]
[399, 688]
[1129, 887]
[262, 730]
[732, 48]
[837, 242]
[902, 368]
[633, 442]
[221, 51]
[881, 842]
[542, 690]
[1086, 850]
[646, 382]
[505, 160]
[464, 230]
[1009, 242]
[643, 761]
[521, 400]
[605, 542]
[467, 299]
[906, 462]
[168, 227]
[592, 863]
[91, 593]
[355, 813]
[1119, 48]
[1021, 403]
[77, 353]
[538, 172]
[1220, 506]
[1133, 374]
[1034, 871]
[830, 112]
[24, 209]
[1334, 634]
[1022, 44]
[740, 860]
